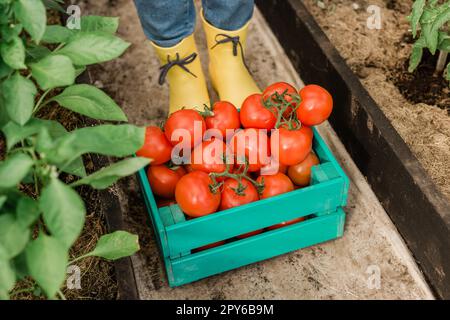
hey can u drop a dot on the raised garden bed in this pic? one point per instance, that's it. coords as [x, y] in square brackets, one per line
[111, 210]
[55, 241]
[124, 273]
[414, 203]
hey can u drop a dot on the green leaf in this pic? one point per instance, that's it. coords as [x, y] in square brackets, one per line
[90, 101]
[433, 3]
[47, 261]
[45, 143]
[13, 53]
[2, 200]
[54, 5]
[27, 211]
[63, 211]
[7, 276]
[4, 295]
[4, 117]
[32, 15]
[79, 70]
[444, 42]
[57, 34]
[98, 23]
[430, 36]
[87, 48]
[442, 18]
[13, 237]
[417, 10]
[53, 71]
[14, 169]
[36, 53]
[115, 245]
[20, 265]
[432, 19]
[10, 31]
[76, 167]
[13, 196]
[415, 58]
[15, 133]
[5, 70]
[18, 94]
[107, 176]
[110, 140]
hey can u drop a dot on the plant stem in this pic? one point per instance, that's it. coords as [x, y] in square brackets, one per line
[59, 47]
[61, 295]
[39, 103]
[441, 63]
[78, 259]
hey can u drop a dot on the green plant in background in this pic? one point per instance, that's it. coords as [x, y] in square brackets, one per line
[432, 19]
[36, 232]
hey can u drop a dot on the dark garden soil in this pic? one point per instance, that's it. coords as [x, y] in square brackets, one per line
[416, 103]
[423, 85]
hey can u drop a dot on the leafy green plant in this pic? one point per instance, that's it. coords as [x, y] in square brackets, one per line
[432, 19]
[40, 215]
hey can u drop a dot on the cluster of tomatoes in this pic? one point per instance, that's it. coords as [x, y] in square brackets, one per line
[216, 182]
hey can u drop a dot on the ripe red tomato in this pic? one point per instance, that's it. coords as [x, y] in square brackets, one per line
[156, 146]
[163, 180]
[186, 119]
[275, 184]
[253, 114]
[287, 223]
[253, 144]
[272, 168]
[231, 199]
[209, 156]
[293, 145]
[300, 174]
[209, 246]
[315, 106]
[250, 234]
[194, 196]
[224, 116]
[280, 87]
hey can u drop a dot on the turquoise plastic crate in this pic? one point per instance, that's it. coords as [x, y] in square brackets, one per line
[322, 202]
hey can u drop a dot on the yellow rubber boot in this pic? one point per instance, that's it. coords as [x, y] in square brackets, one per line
[180, 65]
[229, 74]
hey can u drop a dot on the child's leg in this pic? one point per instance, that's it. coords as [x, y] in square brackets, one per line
[226, 25]
[166, 23]
[169, 26]
[228, 14]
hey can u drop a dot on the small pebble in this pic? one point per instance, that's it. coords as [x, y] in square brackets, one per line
[321, 5]
[98, 84]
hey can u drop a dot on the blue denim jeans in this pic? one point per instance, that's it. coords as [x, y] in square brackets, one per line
[168, 22]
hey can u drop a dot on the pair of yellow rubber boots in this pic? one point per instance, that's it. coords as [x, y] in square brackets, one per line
[229, 74]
